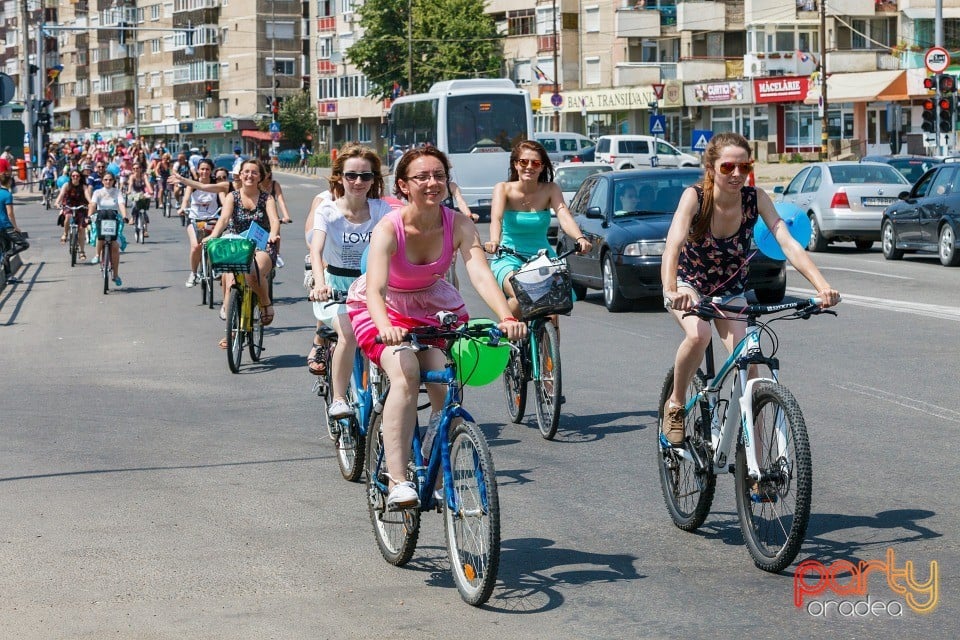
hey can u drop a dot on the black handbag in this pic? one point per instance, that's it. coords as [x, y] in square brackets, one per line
[60, 219]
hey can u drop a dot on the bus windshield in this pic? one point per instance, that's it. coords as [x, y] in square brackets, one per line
[483, 123]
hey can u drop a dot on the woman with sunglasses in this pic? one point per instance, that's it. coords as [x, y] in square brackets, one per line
[520, 214]
[201, 206]
[108, 198]
[707, 254]
[242, 208]
[140, 191]
[74, 194]
[410, 251]
[341, 232]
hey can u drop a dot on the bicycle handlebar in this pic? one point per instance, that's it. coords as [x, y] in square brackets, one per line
[501, 250]
[415, 334]
[711, 308]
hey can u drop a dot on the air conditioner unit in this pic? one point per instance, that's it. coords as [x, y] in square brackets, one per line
[349, 18]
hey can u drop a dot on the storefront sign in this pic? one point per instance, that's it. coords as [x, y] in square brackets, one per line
[716, 92]
[215, 125]
[780, 89]
[621, 99]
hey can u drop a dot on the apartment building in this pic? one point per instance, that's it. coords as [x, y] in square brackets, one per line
[743, 65]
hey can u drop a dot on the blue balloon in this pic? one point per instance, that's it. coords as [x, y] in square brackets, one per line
[797, 223]
[62, 180]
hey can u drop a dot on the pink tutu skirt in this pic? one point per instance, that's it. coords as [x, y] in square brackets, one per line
[405, 309]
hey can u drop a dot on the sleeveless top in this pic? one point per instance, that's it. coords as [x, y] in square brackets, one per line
[74, 197]
[243, 217]
[203, 205]
[525, 231]
[718, 266]
[406, 276]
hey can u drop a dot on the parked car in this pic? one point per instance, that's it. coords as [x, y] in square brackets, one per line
[587, 155]
[912, 167]
[562, 145]
[844, 200]
[226, 160]
[628, 240]
[569, 176]
[289, 158]
[926, 218]
[635, 151]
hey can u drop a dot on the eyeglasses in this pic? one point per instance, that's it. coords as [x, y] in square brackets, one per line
[726, 168]
[524, 163]
[421, 178]
[363, 176]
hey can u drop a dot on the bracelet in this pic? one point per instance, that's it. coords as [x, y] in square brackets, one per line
[509, 319]
[580, 238]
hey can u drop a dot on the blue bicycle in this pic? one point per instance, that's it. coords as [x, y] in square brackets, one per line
[468, 498]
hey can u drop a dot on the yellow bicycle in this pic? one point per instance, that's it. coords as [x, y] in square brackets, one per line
[244, 327]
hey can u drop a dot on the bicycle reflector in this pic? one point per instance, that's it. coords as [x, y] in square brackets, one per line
[929, 116]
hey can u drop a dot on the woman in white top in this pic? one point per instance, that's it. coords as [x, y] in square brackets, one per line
[341, 232]
[108, 198]
[202, 206]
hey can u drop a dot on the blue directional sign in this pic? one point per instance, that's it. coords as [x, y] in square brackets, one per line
[658, 125]
[274, 127]
[700, 138]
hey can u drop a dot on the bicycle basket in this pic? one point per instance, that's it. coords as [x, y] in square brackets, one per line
[231, 254]
[543, 288]
[478, 362]
[107, 225]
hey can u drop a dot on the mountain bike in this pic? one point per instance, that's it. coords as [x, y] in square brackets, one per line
[757, 433]
[108, 229]
[140, 202]
[49, 193]
[73, 233]
[244, 327]
[460, 456]
[537, 357]
[168, 201]
[201, 229]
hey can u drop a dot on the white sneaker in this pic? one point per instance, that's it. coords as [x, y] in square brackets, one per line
[403, 496]
[279, 262]
[95, 260]
[192, 280]
[340, 409]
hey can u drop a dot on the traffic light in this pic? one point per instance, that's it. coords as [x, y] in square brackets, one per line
[929, 116]
[209, 91]
[276, 106]
[946, 104]
[930, 83]
[946, 83]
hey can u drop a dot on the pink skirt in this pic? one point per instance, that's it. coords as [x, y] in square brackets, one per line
[405, 309]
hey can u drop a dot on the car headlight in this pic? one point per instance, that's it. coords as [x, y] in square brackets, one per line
[645, 248]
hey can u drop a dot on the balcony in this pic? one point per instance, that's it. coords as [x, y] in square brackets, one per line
[195, 90]
[639, 23]
[202, 15]
[632, 74]
[327, 24]
[201, 53]
[326, 67]
[774, 11]
[702, 69]
[787, 63]
[852, 61]
[82, 102]
[701, 16]
[81, 71]
[115, 66]
[546, 43]
[116, 99]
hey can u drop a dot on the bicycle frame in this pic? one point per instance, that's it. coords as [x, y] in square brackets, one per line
[246, 301]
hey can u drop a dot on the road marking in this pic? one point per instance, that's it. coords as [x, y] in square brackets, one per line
[869, 273]
[916, 308]
[934, 410]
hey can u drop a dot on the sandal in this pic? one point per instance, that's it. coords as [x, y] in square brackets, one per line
[317, 360]
[82, 257]
[63, 239]
[223, 343]
[266, 314]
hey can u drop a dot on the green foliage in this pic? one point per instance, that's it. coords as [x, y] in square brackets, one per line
[318, 160]
[451, 39]
[297, 118]
[796, 157]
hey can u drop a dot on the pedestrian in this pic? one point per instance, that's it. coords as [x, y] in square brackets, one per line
[12, 241]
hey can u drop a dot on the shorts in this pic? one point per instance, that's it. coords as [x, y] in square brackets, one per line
[503, 266]
[731, 298]
[326, 314]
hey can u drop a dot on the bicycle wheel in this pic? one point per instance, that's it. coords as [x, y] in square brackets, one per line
[515, 383]
[324, 389]
[548, 386]
[774, 513]
[234, 332]
[255, 337]
[687, 488]
[351, 444]
[473, 531]
[396, 531]
[105, 263]
[208, 280]
[74, 248]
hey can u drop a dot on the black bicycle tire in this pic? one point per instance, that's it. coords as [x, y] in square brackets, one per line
[407, 521]
[685, 519]
[515, 383]
[105, 263]
[255, 336]
[548, 401]
[765, 393]
[74, 249]
[234, 332]
[476, 591]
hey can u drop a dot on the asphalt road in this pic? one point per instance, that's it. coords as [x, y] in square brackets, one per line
[147, 492]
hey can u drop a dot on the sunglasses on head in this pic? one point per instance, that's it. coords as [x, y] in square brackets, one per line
[523, 162]
[364, 176]
[726, 168]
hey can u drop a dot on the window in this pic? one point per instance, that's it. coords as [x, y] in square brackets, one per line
[97, 117]
[155, 12]
[522, 72]
[325, 8]
[280, 67]
[168, 110]
[324, 48]
[591, 19]
[280, 30]
[546, 21]
[591, 70]
[155, 113]
[200, 108]
[155, 46]
[184, 109]
[155, 79]
[363, 132]
[521, 23]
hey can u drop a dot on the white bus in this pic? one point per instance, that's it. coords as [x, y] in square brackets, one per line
[475, 122]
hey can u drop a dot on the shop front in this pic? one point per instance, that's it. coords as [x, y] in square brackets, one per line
[728, 106]
[218, 135]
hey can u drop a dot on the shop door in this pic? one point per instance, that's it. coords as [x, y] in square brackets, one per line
[878, 138]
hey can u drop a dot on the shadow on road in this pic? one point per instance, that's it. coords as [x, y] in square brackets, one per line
[16, 293]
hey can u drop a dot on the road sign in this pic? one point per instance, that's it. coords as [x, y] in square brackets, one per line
[274, 127]
[936, 59]
[275, 135]
[700, 138]
[658, 90]
[7, 89]
[658, 125]
[556, 100]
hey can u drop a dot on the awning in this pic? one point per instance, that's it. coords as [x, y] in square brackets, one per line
[257, 135]
[868, 86]
[928, 13]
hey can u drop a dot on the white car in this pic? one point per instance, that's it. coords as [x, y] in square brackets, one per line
[636, 152]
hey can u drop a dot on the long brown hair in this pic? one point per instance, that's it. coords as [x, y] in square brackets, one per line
[702, 222]
[353, 150]
[546, 170]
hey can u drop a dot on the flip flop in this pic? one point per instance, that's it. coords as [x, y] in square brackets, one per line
[223, 343]
[266, 315]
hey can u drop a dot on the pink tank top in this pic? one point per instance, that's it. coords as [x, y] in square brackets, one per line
[406, 276]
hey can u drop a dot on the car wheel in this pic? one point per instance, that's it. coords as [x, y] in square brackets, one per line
[949, 256]
[863, 245]
[613, 300]
[817, 242]
[579, 290]
[888, 242]
[626, 166]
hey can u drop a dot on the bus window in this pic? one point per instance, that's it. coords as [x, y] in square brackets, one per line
[478, 123]
[414, 123]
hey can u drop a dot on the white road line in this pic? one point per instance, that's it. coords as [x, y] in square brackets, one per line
[869, 273]
[920, 406]
[916, 308]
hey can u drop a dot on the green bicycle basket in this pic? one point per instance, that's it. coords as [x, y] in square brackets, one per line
[231, 254]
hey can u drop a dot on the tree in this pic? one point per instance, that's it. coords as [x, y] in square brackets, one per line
[451, 39]
[298, 118]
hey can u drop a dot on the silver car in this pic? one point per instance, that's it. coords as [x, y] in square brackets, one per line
[844, 200]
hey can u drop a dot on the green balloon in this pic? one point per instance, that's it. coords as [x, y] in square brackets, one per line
[478, 363]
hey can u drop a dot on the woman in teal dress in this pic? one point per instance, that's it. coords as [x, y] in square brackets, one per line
[520, 214]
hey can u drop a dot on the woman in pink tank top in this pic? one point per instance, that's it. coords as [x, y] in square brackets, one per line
[410, 251]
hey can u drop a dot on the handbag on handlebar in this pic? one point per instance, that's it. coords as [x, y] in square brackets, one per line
[543, 288]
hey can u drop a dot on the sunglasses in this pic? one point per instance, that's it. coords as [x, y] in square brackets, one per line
[365, 176]
[726, 168]
[523, 162]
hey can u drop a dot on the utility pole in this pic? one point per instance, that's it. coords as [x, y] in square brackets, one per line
[25, 95]
[273, 57]
[942, 146]
[824, 119]
[556, 88]
[410, 46]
